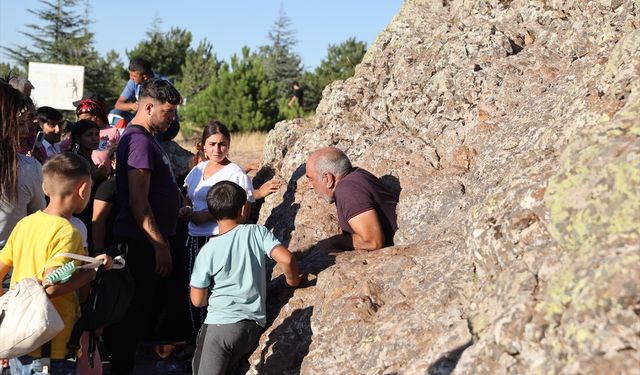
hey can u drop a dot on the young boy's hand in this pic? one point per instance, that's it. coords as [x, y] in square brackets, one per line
[107, 261]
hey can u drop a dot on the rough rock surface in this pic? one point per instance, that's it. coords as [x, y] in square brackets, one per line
[511, 131]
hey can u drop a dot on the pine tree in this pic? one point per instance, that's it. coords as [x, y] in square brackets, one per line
[239, 95]
[199, 67]
[282, 64]
[339, 64]
[166, 51]
[63, 37]
[8, 71]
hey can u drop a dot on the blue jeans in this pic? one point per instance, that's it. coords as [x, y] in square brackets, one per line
[26, 365]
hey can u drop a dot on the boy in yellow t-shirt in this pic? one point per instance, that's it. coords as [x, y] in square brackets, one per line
[34, 242]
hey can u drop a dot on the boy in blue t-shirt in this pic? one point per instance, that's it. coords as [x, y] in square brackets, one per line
[230, 276]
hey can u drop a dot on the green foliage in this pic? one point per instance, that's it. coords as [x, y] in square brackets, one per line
[62, 36]
[339, 64]
[8, 71]
[286, 112]
[167, 52]
[282, 65]
[199, 67]
[106, 75]
[239, 95]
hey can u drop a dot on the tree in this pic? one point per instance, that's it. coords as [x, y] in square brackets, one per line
[63, 37]
[339, 64]
[240, 95]
[167, 52]
[106, 75]
[8, 71]
[199, 67]
[282, 65]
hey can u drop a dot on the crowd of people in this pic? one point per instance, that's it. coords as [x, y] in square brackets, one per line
[107, 188]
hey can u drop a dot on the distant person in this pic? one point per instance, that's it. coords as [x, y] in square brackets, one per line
[105, 210]
[85, 138]
[297, 96]
[94, 109]
[150, 200]
[20, 192]
[51, 122]
[27, 144]
[230, 278]
[366, 208]
[22, 84]
[140, 71]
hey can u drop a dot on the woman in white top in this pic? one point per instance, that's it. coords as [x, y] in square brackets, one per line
[211, 166]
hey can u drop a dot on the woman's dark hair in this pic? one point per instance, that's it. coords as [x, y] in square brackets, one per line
[214, 127]
[13, 104]
[225, 199]
[48, 114]
[81, 127]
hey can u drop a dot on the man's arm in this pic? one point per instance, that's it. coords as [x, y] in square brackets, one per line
[367, 231]
[367, 234]
[139, 184]
[101, 210]
[123, 104]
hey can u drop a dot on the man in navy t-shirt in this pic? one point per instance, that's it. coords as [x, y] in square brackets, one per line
[366, 208]
[148, 215]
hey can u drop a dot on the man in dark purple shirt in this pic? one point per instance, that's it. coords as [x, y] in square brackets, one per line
[148, 215]
[366, 208]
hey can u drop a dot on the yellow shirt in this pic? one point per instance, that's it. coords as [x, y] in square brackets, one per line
[29, 249]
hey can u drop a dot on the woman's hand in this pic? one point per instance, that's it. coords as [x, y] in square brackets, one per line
[268, 188]
[200, 217]
[185, 213]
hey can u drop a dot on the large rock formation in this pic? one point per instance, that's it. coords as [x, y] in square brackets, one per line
[511, 130]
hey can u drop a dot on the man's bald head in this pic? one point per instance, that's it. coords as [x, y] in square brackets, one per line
[329, 159]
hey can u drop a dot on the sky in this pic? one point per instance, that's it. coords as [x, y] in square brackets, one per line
[227, 25]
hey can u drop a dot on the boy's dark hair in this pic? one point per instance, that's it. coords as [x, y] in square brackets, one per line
[225, 199]
[161, 90]
[81, 127]
[61, 171]
[48, 115]
[141, 65]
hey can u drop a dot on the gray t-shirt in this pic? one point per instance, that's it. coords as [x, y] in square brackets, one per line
[232, 267]
[30, 197]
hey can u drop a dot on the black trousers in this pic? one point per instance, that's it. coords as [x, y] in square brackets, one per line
[121, 339]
